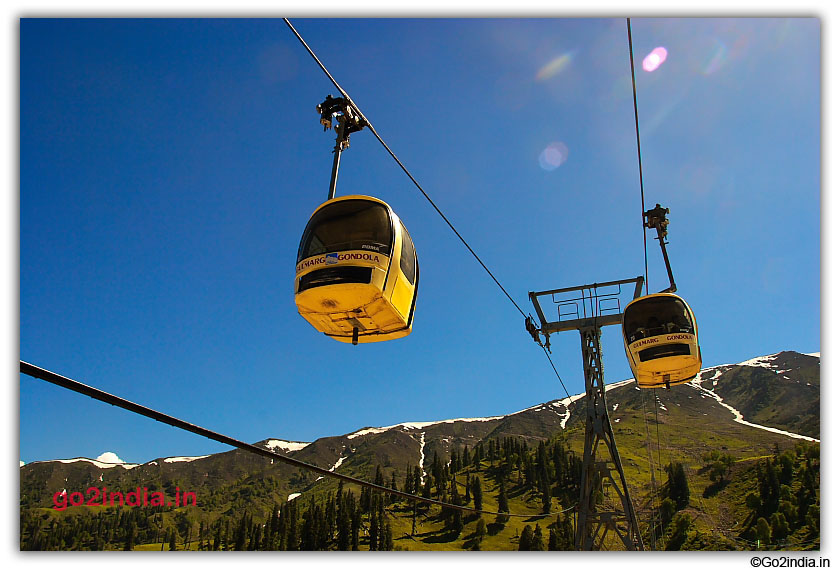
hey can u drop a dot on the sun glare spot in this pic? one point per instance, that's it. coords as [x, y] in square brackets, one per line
[554, 67]
[654, 59]
[553, 156]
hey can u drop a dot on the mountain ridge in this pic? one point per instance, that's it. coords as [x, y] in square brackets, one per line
[706, 381]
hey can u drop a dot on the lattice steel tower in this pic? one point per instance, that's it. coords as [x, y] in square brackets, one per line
[605, 504]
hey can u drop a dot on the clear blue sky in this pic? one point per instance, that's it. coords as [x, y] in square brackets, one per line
[168, 168]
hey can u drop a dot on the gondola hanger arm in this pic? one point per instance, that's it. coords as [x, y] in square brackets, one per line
[655, 218]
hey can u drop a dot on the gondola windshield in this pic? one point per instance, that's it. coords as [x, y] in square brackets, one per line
[347, 225]
[656, 316]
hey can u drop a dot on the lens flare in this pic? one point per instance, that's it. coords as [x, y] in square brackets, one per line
[717, 58]
[553, 156]
[654, 59]
[554, 66]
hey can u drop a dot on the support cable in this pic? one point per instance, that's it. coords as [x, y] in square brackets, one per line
[417, 184]
[97, 394]
[656, 404]
[558, 377]
[367, 123]
[404, 169]
[652, 469]
[638, 149]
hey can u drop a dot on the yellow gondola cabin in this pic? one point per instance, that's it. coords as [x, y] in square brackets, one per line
[356, 275]
[660, 338]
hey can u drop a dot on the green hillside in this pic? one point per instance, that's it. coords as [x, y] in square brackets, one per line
[698, 479]
[719, 513]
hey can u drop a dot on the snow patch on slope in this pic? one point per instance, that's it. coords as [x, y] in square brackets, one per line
[714, 379]
[338, 463]
[568, 403]
[608, 387]
[422, 456]
[334, 467]
[423, 425]
[761, 361]
[368, 431]
[739, 417]
[182, 459]
[100, 464]
[273, 444]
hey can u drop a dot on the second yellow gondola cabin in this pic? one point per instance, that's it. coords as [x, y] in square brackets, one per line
[357, 274]
[660, 338]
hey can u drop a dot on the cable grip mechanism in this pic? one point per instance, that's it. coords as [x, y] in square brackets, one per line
[348, 121]
[531, 328]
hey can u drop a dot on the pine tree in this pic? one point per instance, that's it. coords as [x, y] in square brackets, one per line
[455, 461]
[438, 475]
[553, 539]
[526, 540]
[427, 488]
[373, 531]
[254, 542]
[388, 543]
[467, 488]
[679, 531]
[537, 542]
[129, 537]
[773, 487]
[478, 494]
[292, 530]
[667, 510]
[241, 534]
[355, 525]
[779, 526]
[812, 521]
[344, 525]
[503, 505]
[546, 497]
[392, 498]
[762, 532]
[457, 522]
[565, 532]
[408, 485]
[379, 478]
[480, 529]
[678, 485]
